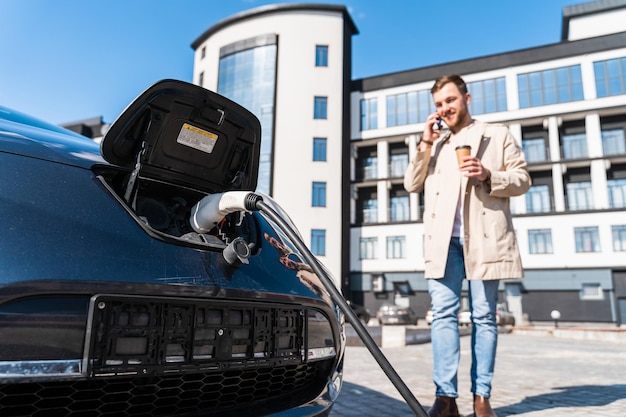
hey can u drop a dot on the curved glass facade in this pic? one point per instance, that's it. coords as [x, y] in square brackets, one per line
[247, 75]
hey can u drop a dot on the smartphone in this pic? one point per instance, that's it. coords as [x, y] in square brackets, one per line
[439, 124]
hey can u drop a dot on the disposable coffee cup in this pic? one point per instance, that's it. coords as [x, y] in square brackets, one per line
[462, 151]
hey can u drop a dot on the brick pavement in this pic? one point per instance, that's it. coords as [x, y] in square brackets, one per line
[536, 376]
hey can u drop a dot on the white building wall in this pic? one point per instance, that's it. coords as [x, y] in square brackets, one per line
[597, 25]
[563, 241]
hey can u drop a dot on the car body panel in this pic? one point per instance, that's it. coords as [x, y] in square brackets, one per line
[106, 289]
[26, 135]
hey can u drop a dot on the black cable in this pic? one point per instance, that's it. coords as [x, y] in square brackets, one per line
[337, 297]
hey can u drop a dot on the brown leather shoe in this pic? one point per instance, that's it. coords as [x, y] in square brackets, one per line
[444, 407]
[482, 408]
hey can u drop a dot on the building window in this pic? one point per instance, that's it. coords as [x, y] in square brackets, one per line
[319, 194]
[613, 142]
[538, 199]
[248, 77]
[201, 79]
[554, 86]
[203, 52]
[575, 146]
[369, 114]
[398, 164]
[396, 247]
[534, 150]
[425, 105]
[399, 208]
[579, 196]
[370, 211]
[318, 242]
[409, 108]
[591, 291]
[587, 239]
[539, 241]
[367, 247]
[320, 108]
[370, 168]
[321, 56]
[617, 192]
[610, 77]
[619, 238]
[488, 96]
[319, 149]
[397, 110]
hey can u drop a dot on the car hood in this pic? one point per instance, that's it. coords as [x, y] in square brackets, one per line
[23, 135]
[183, 134]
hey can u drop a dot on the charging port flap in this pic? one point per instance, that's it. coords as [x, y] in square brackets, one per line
[186, 135]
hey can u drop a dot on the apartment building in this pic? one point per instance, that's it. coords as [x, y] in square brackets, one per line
[334, 151]
[566, 104]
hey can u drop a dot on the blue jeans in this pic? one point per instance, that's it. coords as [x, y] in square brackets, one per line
[445, 294]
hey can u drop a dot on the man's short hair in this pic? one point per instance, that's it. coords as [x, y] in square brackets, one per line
[443, 80]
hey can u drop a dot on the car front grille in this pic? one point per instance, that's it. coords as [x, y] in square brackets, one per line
[243, 392]
[147, 356]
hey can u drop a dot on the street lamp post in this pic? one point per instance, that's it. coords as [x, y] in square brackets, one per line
[556, 315]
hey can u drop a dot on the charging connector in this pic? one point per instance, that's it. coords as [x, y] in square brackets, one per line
[209, 211]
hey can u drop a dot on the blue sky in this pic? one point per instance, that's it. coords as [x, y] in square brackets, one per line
[68, 60]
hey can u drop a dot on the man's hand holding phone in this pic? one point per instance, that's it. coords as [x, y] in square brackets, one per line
[432, 131]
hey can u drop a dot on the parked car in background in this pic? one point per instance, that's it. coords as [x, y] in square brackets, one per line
[362, 313]
[113, 302]
[504, 317]
[394, 314]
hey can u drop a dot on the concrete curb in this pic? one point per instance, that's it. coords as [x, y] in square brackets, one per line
[394, 336]
[398, 336]
[611, 334]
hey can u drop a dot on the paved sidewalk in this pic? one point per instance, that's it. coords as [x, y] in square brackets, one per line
[536, 376]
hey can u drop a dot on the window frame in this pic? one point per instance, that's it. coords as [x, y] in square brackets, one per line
[318, 242]
[551, 86]
[318, 194]
[618, 237]
[320, 149]
[320, 108]
[396, 247]
[368, 247]
[369, 113]
[608, 84]
[596, 295]
[543, 192]
[585, 235]
[534, 245]
[321, 55]
[488, 96]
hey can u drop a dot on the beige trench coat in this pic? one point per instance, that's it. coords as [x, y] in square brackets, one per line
[490, 246]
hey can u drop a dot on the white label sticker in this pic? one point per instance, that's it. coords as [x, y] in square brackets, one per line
[197, 138]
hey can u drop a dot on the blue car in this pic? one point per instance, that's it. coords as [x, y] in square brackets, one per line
[137, 279]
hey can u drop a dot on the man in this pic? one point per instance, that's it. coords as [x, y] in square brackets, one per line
[468, 234]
